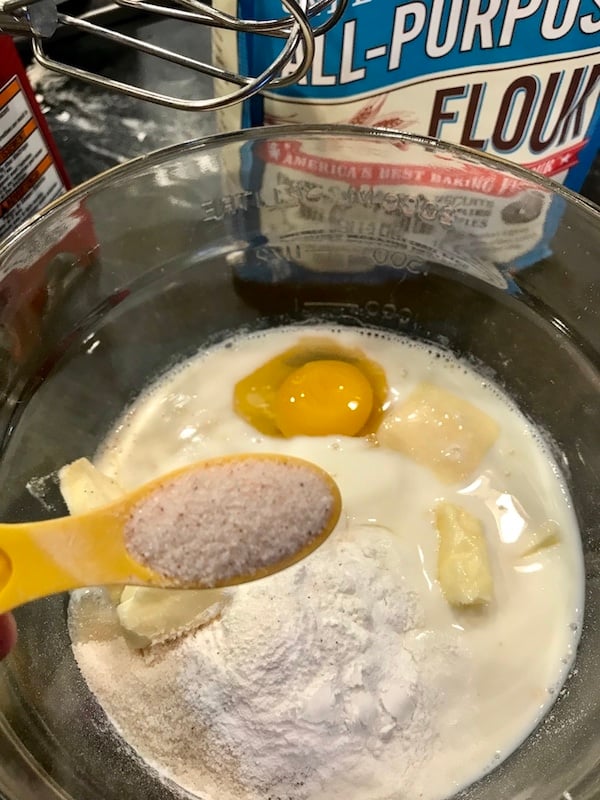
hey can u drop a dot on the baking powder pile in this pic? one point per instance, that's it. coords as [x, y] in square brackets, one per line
[313, 683]
[230, 518]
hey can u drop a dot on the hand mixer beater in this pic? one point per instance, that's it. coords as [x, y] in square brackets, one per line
[41, 19]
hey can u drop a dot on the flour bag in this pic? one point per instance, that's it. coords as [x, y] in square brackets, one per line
[519, 79]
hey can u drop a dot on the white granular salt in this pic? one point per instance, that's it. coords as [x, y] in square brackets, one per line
[313, 683]
[230, 519]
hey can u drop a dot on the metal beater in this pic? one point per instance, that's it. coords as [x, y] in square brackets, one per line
[41, 19]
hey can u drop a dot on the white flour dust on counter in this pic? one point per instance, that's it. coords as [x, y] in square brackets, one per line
[364, 670]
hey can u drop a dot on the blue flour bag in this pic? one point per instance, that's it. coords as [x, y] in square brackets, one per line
[519, 79]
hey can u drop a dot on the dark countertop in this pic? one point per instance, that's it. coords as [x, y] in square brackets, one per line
[96, 129]
[591, 188]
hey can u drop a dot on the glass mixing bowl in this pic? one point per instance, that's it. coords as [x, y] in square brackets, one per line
[142, 266]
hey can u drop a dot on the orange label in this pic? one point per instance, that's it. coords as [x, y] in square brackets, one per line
[9, 91]
[17, 140]
[28, 175]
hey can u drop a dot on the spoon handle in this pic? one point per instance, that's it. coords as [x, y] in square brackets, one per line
[43, 558]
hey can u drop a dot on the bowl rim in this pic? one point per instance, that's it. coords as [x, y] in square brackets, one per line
[214, 141]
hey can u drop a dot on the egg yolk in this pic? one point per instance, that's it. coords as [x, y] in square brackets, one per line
[322, 398]
[255, 394]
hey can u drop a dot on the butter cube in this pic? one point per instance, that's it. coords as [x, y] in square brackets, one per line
[151, 616]
[463, 565]
[439, 430]
[84, 488]
[538, 539]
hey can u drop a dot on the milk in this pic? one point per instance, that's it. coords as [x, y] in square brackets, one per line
[521, 647]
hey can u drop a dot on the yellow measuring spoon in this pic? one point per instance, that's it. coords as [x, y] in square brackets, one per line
[215, 523]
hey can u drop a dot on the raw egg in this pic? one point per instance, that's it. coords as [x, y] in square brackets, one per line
[323, 397]
[316, 388]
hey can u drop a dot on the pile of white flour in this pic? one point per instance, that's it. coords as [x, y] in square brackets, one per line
[314, 683]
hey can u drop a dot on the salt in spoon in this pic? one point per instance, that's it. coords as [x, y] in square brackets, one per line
[216, 523]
